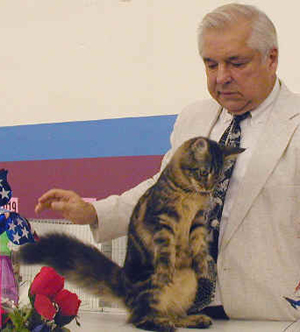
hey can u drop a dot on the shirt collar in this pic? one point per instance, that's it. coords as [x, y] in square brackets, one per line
[260, 113]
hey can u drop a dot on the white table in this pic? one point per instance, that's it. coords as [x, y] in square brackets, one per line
[109, 322]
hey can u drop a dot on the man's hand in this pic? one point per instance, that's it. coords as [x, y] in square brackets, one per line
[69, 204]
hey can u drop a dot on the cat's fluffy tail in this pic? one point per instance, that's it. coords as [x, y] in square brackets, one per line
[80, 263]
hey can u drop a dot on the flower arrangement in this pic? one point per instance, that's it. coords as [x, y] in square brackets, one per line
[51, 306]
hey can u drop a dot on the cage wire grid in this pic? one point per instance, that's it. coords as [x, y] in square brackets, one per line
[115, 249]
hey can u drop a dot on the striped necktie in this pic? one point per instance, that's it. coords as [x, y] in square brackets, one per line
[231, 137]
[206, 285]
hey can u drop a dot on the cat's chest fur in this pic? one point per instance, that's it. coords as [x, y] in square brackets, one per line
[185, 212]
[188, 208]
[191, 212]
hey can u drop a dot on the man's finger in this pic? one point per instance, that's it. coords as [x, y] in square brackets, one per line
[55, 194]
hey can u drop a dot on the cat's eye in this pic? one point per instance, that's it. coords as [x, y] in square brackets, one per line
[204, 172]
[191, 169]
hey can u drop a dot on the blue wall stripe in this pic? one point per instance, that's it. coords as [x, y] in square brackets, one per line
[140, 136]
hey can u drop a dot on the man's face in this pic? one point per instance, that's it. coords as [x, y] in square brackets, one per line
[237, 76]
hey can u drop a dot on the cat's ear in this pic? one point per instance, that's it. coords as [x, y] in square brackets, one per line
[200, 145]
[231, 152]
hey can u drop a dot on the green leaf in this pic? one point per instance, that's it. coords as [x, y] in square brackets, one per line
[16, 318]
[7, 329]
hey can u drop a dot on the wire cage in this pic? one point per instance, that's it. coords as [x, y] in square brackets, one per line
[114, 249]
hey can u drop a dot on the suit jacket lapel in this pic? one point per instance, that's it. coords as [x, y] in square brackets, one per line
[213, 121]
[271, 145]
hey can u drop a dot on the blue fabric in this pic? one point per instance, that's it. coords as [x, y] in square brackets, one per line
[18, 229]
[5, 190]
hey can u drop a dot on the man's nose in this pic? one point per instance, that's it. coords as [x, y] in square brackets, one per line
[223, 74]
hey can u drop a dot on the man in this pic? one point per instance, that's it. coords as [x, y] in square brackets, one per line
[259, 246]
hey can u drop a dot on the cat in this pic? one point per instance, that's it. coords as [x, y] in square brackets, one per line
[168, 271]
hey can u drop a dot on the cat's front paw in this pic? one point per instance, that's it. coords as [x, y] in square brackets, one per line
[199, 321]
[159, 326]
[146, 318]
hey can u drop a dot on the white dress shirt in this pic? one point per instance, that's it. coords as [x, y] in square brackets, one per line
[251, 129]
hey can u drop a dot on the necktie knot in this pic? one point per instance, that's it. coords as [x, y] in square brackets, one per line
[232, 134]
[238, 118]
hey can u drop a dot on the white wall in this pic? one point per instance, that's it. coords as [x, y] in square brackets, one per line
[69, 60]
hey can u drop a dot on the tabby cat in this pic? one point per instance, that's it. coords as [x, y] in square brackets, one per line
[167, 261]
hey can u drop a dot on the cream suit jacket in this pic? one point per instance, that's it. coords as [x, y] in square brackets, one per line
[259, 256]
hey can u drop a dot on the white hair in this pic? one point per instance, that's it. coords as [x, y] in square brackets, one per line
[263, 37]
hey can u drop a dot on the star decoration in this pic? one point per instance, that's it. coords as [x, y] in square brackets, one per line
[19, 221]
[4, 193]
[24, 232]
[12, 227]
[17, 228]
[16, 237]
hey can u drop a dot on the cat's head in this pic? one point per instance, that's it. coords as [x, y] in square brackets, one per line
[199, 162]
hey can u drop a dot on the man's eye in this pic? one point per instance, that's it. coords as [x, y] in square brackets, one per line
[212, 66]
[239, 64]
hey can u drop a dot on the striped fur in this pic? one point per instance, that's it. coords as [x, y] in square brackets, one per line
[167, 250]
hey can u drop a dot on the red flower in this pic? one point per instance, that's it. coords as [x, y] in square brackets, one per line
[44, 306]
[4, 318]
[48, 282]
[50, 300]
[68, 303]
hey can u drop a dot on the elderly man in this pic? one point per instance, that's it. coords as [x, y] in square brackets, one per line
[259, 248]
